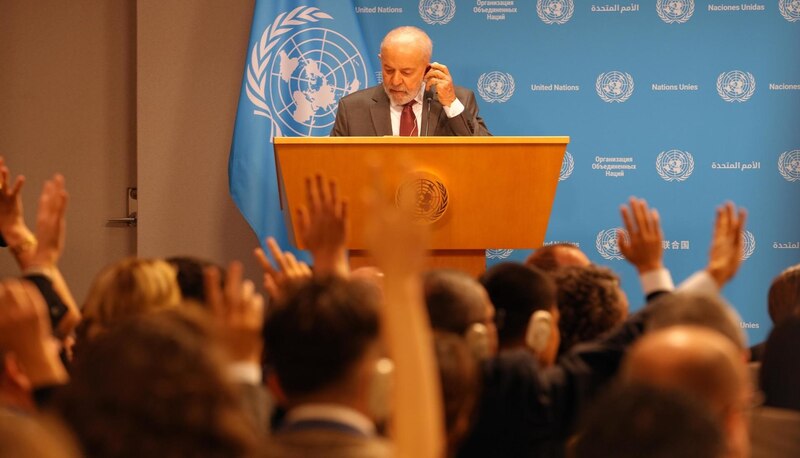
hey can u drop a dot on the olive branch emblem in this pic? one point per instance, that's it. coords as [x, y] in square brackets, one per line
[261, 56]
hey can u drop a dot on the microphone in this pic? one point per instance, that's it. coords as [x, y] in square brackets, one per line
[428, 101]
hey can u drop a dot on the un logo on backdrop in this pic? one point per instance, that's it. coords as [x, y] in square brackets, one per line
[675, 11]
[555, 11]
[749, 244]
[789, 165]
[295, 78]
[437, 11]
[607, 244]
[736, 86]
[790, 9]
[498, 254]
[674, 165]
[614, 86]
[496, 87]
[567, 166]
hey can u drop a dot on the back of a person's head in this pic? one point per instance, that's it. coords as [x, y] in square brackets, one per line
[128, 288]
[784, 295]
[696, 309]
[552, 257]
[780, 370]
[155, 385]
[631, 421]
[190, 277]
[517, 291]
[590, 303]
[460, 380]
[454, 300]
[692, 359]
[319, 332]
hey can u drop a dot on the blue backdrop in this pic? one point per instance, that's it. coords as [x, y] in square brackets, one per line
[684, 103]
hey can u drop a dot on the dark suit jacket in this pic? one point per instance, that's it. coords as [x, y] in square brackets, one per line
[366, 114]
[527, 411]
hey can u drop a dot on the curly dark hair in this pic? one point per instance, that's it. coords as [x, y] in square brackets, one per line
[155, 385]
[590, 303]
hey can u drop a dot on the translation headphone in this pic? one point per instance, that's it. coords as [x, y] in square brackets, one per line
[540, 326]
[477, 337]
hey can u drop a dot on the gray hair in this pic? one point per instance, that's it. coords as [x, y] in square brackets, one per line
[410, 33]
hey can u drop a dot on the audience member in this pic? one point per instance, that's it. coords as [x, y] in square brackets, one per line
[128, 288]
[457, 303]
[176, 401]
[189, 274]
[776, 426]
[460, 379]
[590, 303]
[704, 364]
[552, 257]
[525, 309]
[783, 301]
[632, 421]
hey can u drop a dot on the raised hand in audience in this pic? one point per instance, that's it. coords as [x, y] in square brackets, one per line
[25, 331]
[19, 238]
[398, 247]
[289, 270]
[643, 245]
[727, 243]
[323, 226]
[239, 311]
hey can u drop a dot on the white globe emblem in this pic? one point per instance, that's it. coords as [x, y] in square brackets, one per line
[790, 9]
[607, 244]
[674, 165]
[789, 165]
[567, 166]
[496, 87]
[749, 244]
[311, 71]
[736, 86]
[614, 86]
[435, 12]
[675, 11]
[498, 254]
[555, 11]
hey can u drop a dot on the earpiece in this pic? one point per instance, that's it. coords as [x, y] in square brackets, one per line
[538, 333]
[477, 337]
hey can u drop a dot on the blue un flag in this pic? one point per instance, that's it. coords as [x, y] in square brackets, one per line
[302, 58]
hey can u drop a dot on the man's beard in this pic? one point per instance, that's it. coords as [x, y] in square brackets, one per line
[404, 98]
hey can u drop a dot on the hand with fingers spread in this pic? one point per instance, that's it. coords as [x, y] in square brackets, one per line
[51, 223]
[289, 270]
[19, 238]
[25, 331]
[727, 243]
[323, 226]
[239, 310]
[643, 246]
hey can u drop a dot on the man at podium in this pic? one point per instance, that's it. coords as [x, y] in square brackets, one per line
[417, 97]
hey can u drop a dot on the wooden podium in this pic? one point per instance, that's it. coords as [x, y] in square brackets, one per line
[487, 192]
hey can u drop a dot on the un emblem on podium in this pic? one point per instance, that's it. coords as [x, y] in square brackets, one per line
[297, 73]
[736, 86]
[423, 196]
[674, 165]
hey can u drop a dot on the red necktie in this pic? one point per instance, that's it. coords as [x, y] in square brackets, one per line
[408, 122]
